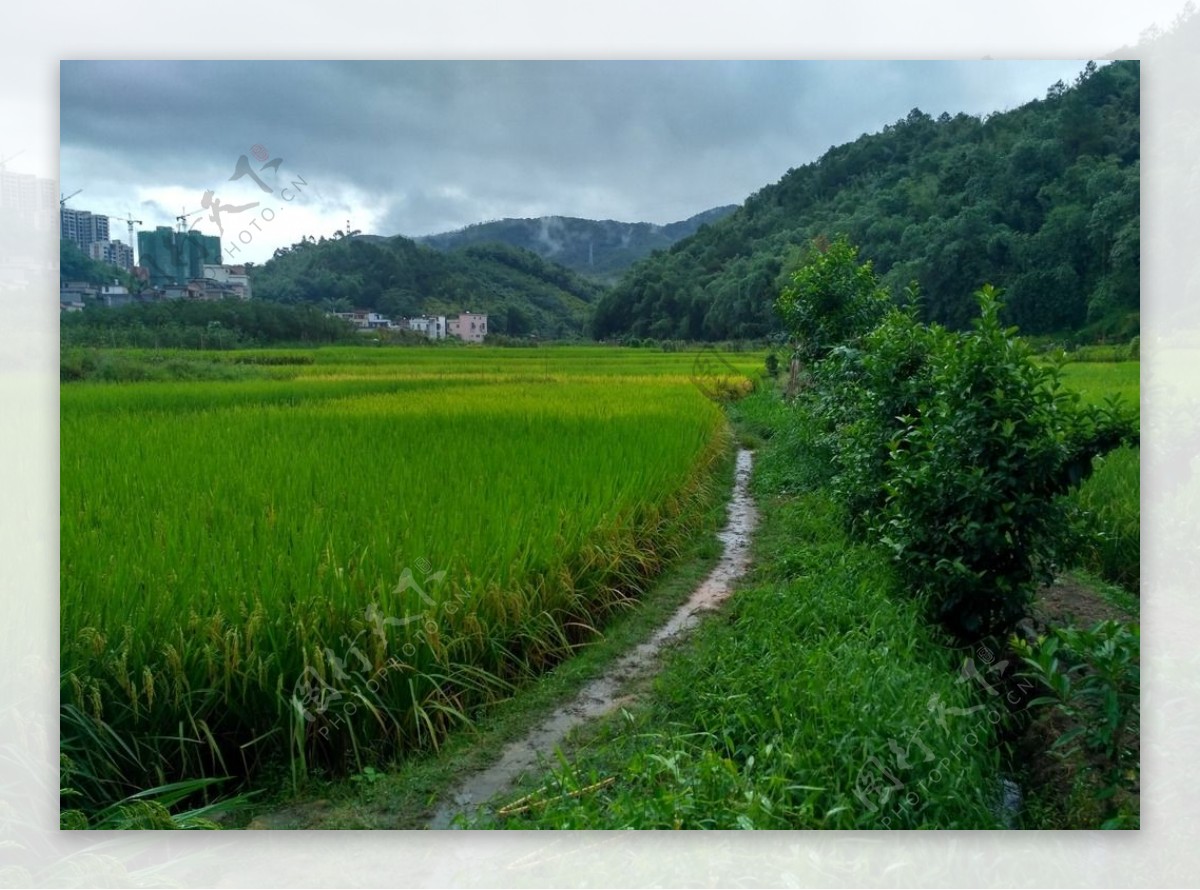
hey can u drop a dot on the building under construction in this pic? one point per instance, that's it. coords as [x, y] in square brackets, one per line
[175, 258]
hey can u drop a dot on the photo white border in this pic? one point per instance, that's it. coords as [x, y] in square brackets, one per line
[1163, 853]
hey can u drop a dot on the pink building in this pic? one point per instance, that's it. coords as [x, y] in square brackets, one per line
[469, 326]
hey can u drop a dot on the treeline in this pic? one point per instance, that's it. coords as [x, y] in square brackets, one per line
[522, 293]
[225, 324]
[1042, 201]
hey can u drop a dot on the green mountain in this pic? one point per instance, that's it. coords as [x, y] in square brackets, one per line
[523, 293]
[1041, 201]
[597, 249]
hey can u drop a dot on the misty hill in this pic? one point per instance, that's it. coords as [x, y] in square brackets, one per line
[598, 249]
[523, 293]
[1041, 201]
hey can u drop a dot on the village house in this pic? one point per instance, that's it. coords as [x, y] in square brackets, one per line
[469, 326]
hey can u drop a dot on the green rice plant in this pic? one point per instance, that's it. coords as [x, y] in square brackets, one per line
[1098, 381]
[334, 568]
[1110, 503]
[152, 808]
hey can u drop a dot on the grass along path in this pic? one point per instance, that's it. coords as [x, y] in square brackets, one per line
[607, 692]
[820, 698]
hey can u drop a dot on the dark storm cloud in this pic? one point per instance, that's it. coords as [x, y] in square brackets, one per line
[417, 147]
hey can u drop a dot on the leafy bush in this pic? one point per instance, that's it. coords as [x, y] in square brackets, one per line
[1094, 679]
[832, 300]
[860, 399]
[971, 514]
[951, 449]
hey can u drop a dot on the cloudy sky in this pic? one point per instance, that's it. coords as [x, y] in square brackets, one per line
[414, 148]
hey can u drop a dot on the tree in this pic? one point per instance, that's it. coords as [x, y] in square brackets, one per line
[832, 300]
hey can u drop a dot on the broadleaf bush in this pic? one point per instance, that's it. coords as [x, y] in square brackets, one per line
[951, 449]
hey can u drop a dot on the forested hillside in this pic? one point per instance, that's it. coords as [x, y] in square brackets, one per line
[597, 249]
[1041, 201]
[522, 293]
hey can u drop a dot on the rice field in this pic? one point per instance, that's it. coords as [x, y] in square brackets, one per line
[344, 558]
[1097, 381]
[1111, 497]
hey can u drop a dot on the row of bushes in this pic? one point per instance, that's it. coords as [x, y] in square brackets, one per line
[951, 449]
[113, 366]
[954, 452]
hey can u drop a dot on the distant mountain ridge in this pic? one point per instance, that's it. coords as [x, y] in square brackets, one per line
[598, 249]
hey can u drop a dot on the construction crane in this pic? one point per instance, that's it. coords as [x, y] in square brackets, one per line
[4, 161]
[63, 201]
[183, 218]
[128, 218]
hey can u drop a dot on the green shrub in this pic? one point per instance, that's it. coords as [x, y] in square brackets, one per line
[950, 449]
[971, 514]
[1094, 680]
[860, 400]
[832, 300]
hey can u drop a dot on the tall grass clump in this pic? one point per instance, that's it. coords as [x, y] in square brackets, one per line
[1110, 504]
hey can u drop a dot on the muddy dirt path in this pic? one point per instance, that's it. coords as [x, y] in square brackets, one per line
[606, 693]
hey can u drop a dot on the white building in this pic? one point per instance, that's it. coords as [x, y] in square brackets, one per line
[432, 326]
[232, 278]
[115, 295]
[366, 321]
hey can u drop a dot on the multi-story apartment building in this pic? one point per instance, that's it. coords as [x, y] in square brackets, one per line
[175, 258]
[83, 227]
[115, 253]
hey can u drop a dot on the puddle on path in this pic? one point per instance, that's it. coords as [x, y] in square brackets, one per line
[605, 694]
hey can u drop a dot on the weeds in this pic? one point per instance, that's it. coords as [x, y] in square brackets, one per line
[1093, 679]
